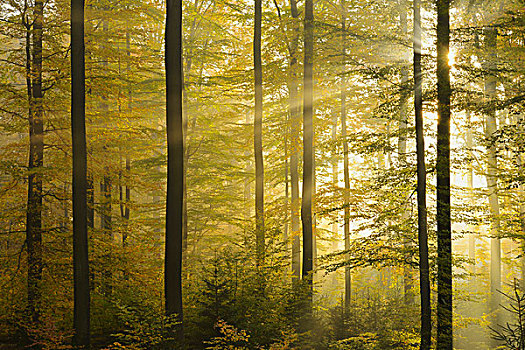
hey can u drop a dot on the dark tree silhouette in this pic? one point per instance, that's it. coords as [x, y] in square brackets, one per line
[81, 318]
[257, 140]
[424, 278]
[175, 191]
[308, 141]
[444, 308]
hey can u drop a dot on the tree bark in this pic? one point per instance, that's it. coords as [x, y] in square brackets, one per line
[257, 140]
[106, 192]
[90, 201]
[308, 135]
[444, 308]
[36, 162]
[470, 180]
[286, 182]
[81, 318]
[295, 111]
[402, 146]
[127, 158]
[335, 184]
[424, 274]
[521, 192]
[175, 190]
[346, 170]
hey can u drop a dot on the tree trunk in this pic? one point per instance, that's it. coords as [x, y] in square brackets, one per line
[308, 143]
[90, 201]
[492, 169]
[106, 193]
[106, 186]
[286, 182]
[444, 308]
[257, 139]
[107, 228]
[295, 111]
[107, 224]
[247, 188]
[521, 192]
[36, 162]
[470, 180]
[127, 198]
[346, 170]
[424, 275]
[402, 146]
[335, 184]
[175, 190]
[81, 318]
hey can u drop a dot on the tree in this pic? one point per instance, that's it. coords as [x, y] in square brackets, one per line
[175, 190]
[346, 170]
[402, 141]
[308, 135]
[444, 307]
[424, 277]
[81, 317]
[257, 140]
[36, 162]
[294, 110]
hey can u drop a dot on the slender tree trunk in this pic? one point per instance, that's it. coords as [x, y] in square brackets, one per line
[81, 318]
[492, 168]
[286, 182]
[444, 308]
[521, 192]
[257, 140]
[107, 224]
[36, 162]
[90, 201]
[314, 215]
[124, 197]
[308, 143]
[107, 227]
[335, 183]
[106, 193]
[470, 180]
[424, 274]
[402, 146]
[346, 170]
[127, 198]
[247, 188]
[175, 191]
[295, 116]
[106, 185]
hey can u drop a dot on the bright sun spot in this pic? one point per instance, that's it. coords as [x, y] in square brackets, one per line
[451, 58]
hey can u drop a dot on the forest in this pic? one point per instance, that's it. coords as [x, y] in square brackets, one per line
[262, 175]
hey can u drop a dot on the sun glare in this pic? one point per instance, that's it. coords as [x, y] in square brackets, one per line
[451, 58]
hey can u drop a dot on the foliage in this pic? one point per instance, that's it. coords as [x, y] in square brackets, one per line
[143, 329]
[512, 334]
